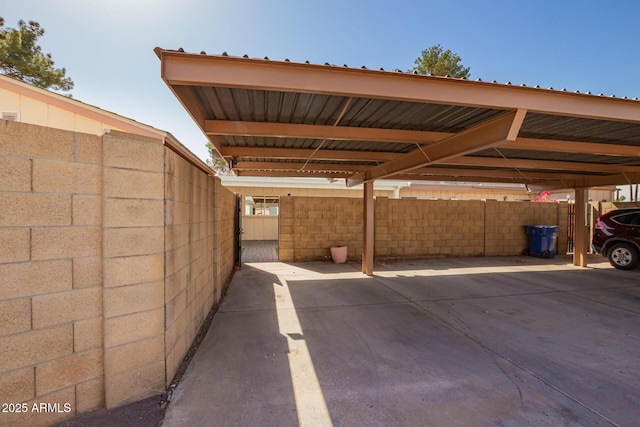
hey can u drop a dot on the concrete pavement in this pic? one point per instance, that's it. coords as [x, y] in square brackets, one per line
[444, 342]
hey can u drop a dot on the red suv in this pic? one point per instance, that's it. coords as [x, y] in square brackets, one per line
[617, 236]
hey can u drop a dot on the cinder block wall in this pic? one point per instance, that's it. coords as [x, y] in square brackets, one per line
[224, 233]
[310, 225]
[105, 243]
[505, 223]
[198, 250]
[51, 294]
[412, 228]
[134, 264]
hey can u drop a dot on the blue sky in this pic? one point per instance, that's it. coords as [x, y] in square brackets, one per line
[107, 45]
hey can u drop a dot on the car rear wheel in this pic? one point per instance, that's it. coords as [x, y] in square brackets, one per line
[623, 256]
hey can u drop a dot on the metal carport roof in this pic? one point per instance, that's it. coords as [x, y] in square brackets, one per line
[280, 118]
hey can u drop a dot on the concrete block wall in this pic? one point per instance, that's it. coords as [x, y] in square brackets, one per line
[417, 228]
[133, 269]
[105, 244]
[51, 295]
[309, 226]
[505, 221]
[224, 237]
[563, 222]
[198, 251]
[410, 228]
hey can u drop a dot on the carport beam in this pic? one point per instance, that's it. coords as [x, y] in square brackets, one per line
[581, 246]
[367, 232]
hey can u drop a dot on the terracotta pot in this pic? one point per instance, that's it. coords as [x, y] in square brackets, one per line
[339, 254]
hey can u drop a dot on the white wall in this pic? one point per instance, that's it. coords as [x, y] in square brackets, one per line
[260, 227]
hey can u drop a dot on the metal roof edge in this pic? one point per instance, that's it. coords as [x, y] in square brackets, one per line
[522, 87]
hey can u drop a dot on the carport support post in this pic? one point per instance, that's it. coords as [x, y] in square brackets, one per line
[580, 246]
[367, 232]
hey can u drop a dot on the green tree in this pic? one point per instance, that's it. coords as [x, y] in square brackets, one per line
[21, 57]
[435, 61]
[217, 163]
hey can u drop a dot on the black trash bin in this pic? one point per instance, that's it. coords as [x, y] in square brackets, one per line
[543, 240]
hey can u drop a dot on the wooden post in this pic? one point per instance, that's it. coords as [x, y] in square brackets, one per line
[581, 244]
[367, 232]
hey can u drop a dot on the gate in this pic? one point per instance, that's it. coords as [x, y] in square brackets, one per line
[571, 220]
[237, 235]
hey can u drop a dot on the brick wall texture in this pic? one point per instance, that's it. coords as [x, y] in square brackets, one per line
[406, 228]
[112, 251]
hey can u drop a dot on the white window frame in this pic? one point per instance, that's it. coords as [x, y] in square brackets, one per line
[10, 115]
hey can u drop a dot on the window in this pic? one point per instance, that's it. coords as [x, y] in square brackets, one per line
[261, 205]
[628, 219]
[12, 116]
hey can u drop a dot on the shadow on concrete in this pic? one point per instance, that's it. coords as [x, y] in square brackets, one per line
[488, 342]
[483, 348]
[145, 413]
[241, 360]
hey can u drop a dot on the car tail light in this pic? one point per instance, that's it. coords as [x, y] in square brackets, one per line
[602, 226]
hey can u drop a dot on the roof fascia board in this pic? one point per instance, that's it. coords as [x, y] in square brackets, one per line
[180, 68]
[484, 135]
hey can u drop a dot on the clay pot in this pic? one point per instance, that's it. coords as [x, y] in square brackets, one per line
[339, 254]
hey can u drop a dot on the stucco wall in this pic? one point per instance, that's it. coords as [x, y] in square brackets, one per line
[412, 228]
[100, 255]
[39, 112]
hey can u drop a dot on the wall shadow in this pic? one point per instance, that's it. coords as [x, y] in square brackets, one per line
[240, 374]
[452, 349]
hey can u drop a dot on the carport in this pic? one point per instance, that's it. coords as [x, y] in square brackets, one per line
[285, 119]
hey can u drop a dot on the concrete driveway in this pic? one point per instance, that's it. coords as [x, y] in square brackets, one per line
[442, 342]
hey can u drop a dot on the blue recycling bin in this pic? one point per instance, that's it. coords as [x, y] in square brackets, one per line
[543, 240]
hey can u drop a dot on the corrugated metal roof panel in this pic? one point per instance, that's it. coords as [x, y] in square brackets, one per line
[546, 155]
[545, 126]
[221, 103]
[388, 114]
[373, 146]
